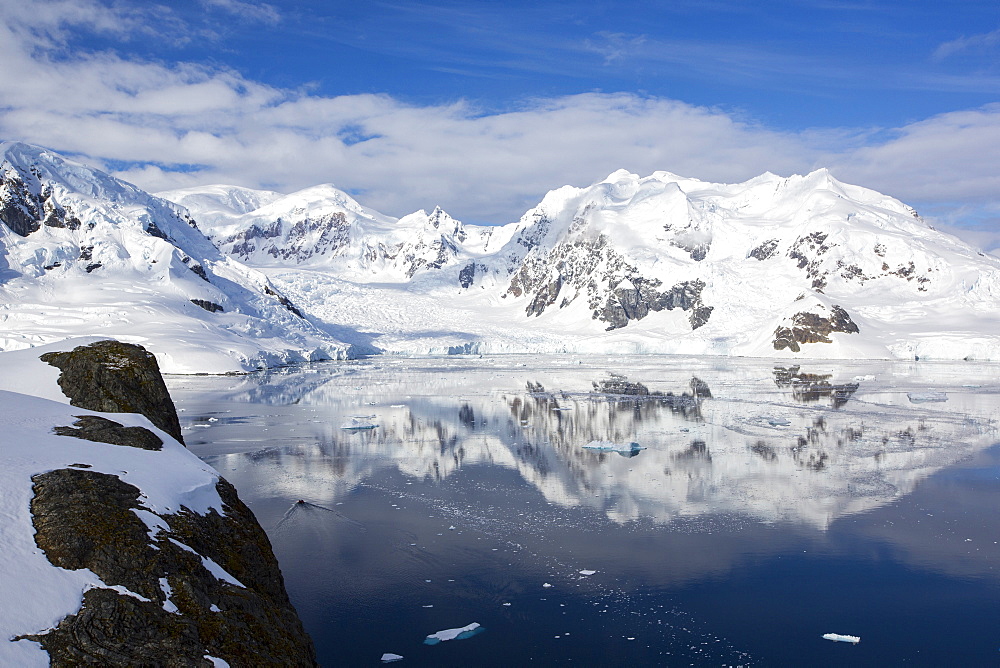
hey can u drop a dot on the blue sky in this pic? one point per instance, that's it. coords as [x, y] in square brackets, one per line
[482, 107]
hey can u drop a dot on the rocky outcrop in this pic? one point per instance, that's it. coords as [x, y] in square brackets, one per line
[169, 606]
[177, 587]
[635, 300]
[765, 251]
[102, 430]
[810, 327]
[617, 293]
[211, 307]
[116, 377]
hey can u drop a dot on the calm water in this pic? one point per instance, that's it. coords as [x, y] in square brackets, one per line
[767, 506]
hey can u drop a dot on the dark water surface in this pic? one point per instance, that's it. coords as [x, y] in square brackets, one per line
[768, 505]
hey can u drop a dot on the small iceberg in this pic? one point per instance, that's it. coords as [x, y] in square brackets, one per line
[358, 422]
[629, 450]
[836, 637]
[922, 397]
[778, 422]
[587, 572]
[454, 634]
[389, 657]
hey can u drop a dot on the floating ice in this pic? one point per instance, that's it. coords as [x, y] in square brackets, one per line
[587, 572]
[628, 450]
[836, 637]
[546, 584]
[389, 657]
[921, 397]
[778, 422]
[454, 634]
[359, 422]
[858, 379]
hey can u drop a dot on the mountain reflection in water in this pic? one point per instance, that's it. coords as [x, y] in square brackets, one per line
[819, 495]
[777, 443]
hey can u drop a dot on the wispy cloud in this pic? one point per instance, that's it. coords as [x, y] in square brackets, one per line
[614, 46]
[249, 11]
[983, 41]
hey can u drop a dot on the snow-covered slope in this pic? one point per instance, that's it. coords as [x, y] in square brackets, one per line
[804, 266]
[83, 253]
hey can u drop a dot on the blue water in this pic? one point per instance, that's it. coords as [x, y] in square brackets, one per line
[769, 507]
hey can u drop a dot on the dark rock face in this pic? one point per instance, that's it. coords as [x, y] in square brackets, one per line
[196, 267]
[325, 234]
[26, 204]
[283, 300]
[616, 292]
[211, 307]
[626, 304]
[812, 328]
[153, 229]
[467, 275]
[765, 251]
[102, 430]
[85, 519]
[808, 252]
[115, 377]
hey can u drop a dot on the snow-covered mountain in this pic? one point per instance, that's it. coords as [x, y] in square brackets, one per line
[786, 267]
[83, 253]
[804, 266]
[323, 227]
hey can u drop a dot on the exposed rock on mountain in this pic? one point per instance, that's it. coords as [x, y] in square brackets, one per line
[809, 327]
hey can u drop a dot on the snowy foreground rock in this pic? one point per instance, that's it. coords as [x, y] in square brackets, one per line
[120, 547]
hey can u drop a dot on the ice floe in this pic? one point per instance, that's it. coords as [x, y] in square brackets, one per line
[923, 397]
[454, 634]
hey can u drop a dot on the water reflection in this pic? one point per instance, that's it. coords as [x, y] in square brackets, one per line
[812, 387]
[776, 443]
[477, 492]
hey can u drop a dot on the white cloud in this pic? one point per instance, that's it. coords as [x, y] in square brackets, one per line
[950, 157]
[973, 42]
[481, 165]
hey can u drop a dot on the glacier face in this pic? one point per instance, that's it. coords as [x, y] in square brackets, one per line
[86, 254]
[793, 267]
[803, 266]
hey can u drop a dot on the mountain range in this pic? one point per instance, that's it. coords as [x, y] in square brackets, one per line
[224, 278]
